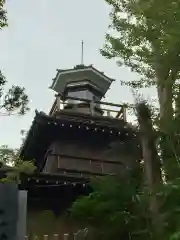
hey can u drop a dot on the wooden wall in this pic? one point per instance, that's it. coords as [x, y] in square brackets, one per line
[89, 157]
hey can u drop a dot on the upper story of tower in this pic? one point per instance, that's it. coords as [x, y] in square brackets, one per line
[81, 81]
[81, 89]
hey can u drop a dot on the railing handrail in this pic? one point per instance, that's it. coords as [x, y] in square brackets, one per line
[120, 112]
[87, 159]
[88, 101]
[66, 236]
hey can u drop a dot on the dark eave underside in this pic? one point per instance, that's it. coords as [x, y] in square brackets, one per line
[53, 192]
[46, 129]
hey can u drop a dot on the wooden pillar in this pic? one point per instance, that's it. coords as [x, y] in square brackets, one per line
[45, 237]
[75, 236]
[66, 236]
[108, 113]
[92, 106]
[58, 103]
[124, 113]
[56, 236]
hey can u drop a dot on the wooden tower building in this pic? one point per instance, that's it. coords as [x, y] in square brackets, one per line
[81, 137]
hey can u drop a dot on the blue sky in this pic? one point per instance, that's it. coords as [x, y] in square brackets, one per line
[44, 35]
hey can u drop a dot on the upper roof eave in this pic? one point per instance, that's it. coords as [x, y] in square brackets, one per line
[76, 68]
[90, 67]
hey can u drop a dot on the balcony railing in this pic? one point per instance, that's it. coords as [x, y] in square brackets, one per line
[105, 109]
[79, 235]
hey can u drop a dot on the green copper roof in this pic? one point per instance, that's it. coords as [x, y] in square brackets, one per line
[79, 73]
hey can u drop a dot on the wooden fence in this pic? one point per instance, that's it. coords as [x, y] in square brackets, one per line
[79, 235]
[118, 111]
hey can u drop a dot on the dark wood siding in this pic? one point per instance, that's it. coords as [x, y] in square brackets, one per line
[87, 157]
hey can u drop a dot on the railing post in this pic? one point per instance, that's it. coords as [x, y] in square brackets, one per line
[66, 236]
[92, 105]
[108, 113]
[102, 167]
[75, 236]
[58, 102]
[124, 113]
[45, 237]
[56, 236]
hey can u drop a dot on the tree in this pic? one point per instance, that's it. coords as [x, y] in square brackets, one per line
[15, 100]
[118, 210]
[129, 209]
[145, 37]
[8, 155]
[113, 210]
[3, 17]
[13, 165]
[152, 166]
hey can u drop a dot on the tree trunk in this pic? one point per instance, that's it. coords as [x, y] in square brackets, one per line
[152, 166]
[165, 95]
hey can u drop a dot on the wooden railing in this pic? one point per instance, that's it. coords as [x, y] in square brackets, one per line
[79, 235]
[107, 109]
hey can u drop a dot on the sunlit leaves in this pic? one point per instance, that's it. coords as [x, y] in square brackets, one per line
[25, 167]
[7, 155]
[15, 100]
[145, 35]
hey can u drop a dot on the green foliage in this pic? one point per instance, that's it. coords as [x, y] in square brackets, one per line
[15, 100]
[25, 167]
[13, 174]
[8, 155]
[170, 210]
[14, 166]
[3, 17]
[118, 209]
[145, 36]
[113, 210]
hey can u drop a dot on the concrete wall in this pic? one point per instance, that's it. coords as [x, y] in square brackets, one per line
[8, 211]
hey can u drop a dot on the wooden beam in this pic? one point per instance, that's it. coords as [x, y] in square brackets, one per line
[87, 159]
[87, 100]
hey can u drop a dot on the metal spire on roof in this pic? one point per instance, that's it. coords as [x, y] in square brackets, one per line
[82, 52]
